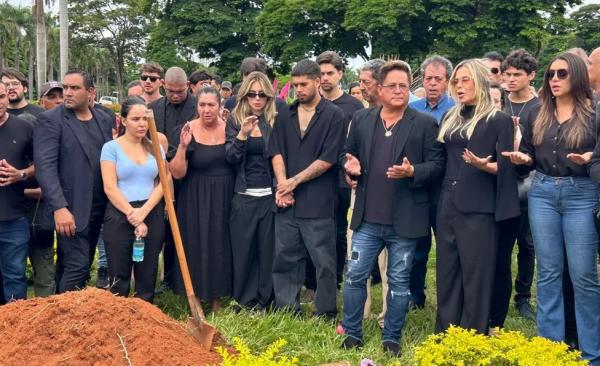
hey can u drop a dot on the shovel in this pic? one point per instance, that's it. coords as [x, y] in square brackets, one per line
[197, 324]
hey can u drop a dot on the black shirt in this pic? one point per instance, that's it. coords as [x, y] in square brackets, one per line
[522, 110]
[379, 188]
[550, 157]
[455, 147]
[348, 104]
[322, 141]
[107, 111]
[16, 146]
[94, 147]
[32, 109]
[257, 174]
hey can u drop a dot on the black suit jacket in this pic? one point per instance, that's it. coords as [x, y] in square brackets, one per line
[482, 192]
[417, 133]
[171, 128]
[62, 163]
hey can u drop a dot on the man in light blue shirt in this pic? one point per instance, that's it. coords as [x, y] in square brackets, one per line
[436, 71]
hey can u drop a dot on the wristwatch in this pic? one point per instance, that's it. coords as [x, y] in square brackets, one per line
[23, 174]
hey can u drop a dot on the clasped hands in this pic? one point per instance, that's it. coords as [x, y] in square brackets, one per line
[136, 218]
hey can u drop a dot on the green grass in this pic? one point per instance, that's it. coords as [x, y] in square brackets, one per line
[314, 341]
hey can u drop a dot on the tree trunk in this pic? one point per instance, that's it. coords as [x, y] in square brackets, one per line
[63, 13]
[120, 72]
[40, 43]
[30, 72]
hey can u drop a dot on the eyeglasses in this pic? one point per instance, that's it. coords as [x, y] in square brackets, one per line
[439, 79]
[253, 95]
[494, 70]
[464, 79]
[562, 74]
[148, 77]
[394, 87]
[14, 84]
[365, 82]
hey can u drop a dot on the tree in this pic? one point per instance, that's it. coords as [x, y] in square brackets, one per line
[63, 14]
[40, 42]
[119, 26]
[587, 26]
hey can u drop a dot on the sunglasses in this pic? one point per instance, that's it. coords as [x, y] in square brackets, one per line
[148, 77]
[495, 70]
[253, 95]
[562, 74]
[464, 79]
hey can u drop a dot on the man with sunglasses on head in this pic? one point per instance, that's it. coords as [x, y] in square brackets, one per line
[172, 111]
[493, 60]
[151, 75]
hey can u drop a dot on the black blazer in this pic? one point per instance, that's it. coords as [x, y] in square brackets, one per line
[171, 129]
[481, 192]
[236, 150]
[417, 133]
[62, 163]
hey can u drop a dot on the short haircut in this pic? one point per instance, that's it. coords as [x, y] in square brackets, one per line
[494, 56]
[352, 85]
[520, 60]
[331, 57]
[437, 60]
[134, 84]
[200, 75]
[307, 68]
[250, 64]
[394, 65]
[152, 67]
[374, 66]
[217, 79]
[87, 79]
[12, 73]
[175, 75]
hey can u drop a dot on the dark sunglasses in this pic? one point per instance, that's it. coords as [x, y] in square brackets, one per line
[253, 95]
[562, 74]
[148, 77]
[494, 70]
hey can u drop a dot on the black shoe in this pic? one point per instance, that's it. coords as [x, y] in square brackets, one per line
[392, 348]
[102, 279]
[415, 306]
[351, 343]
[162, 288]
[525, 310]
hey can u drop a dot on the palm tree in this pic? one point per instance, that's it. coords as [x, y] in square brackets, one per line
[40, 42]
[64, 36]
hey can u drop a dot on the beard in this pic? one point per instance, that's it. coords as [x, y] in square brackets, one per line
[17, 99]
[309, 98]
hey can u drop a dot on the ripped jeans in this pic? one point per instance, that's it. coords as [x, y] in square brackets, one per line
[367, 243]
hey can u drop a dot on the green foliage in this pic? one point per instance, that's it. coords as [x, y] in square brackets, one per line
[587, 26]
[458, 346]
[244, 356]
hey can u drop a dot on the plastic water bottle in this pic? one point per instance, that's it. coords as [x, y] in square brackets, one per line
[138, 250]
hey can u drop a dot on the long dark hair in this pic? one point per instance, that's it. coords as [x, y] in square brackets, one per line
[125, 108]
[582, 97]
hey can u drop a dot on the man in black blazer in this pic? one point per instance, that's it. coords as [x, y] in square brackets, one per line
[393, 153]
[67, 144]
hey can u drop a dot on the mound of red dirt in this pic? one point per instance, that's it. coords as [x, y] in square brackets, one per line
[93, 327]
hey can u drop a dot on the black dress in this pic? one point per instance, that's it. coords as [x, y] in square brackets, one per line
[203, 206]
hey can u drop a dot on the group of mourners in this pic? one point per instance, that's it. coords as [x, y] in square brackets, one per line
[263, 189]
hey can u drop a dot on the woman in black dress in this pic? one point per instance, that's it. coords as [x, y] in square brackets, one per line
[204, 200]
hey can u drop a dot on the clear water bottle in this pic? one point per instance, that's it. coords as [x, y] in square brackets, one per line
[138, 250]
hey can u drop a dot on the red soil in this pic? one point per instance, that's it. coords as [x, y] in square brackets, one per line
[84, 328]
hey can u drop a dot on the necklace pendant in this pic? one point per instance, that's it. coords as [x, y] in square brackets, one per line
[388, 133]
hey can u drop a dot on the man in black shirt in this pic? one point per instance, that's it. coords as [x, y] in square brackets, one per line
[16, 152]
[17, 85]
[332, 70]
[393, 153]
[304, 146]
[67, 144]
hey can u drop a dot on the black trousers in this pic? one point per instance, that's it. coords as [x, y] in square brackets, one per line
[465, 262]
[525, 261]
[507, 234]
[169, 256]
[418, 272]
[252, 232]
[294, 237]
[119, 236]
[76, 253]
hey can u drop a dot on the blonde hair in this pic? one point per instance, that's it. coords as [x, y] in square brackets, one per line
[242, 108]
[454, 122]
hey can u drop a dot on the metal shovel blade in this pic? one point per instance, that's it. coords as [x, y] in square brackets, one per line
[203, 332]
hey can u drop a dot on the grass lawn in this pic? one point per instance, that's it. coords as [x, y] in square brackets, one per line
[315, 342]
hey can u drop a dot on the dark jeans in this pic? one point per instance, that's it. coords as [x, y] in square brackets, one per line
[465, 262]
[525, 260]
[119, 236]
[294, 237]
[14, 241]
[41, 255]
[418, 272]
[252, 231]
[507, 234]
[76, 253]
[367, 243]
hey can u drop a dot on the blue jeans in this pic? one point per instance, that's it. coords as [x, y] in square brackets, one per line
[101, 251]
[561, 219]
[14, 246]
[367, 243]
